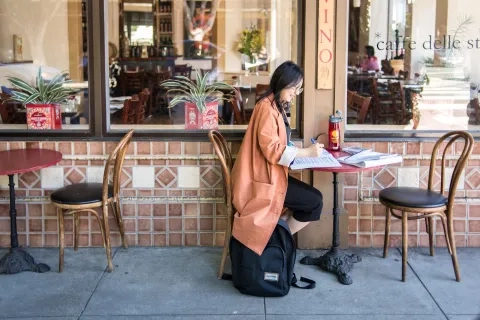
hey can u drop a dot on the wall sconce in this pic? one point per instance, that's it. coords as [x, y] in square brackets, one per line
[356, 3]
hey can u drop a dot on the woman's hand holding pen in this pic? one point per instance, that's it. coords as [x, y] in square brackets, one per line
[315, 150]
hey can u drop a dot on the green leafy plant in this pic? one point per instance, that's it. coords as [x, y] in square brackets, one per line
[251, 41]
[51, 92]
[199, 92]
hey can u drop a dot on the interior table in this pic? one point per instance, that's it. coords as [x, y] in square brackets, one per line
[336, 260]
[14, 162]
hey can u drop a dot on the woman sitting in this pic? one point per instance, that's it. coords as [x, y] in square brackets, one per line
[261, 186]
[370, 62]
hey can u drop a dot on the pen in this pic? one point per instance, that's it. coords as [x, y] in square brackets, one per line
[313, 140]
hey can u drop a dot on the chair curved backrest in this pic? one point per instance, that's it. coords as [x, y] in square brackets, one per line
[459, 166]
[115, 160]
[225, 157]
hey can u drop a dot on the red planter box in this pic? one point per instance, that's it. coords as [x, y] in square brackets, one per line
[196, 120]
[44, 116]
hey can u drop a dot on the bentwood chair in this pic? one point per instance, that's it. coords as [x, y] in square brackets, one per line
[420, 203]
[226, 161]
[85, 197]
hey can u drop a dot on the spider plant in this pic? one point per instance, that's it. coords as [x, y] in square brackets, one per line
[199, 93]
[51, 92]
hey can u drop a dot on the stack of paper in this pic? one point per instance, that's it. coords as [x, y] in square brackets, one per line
[367, 158]
[326, 160]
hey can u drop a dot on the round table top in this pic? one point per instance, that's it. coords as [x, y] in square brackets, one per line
[26, 160]
[345, 168]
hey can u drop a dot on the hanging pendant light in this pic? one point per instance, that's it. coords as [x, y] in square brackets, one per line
[356, 3]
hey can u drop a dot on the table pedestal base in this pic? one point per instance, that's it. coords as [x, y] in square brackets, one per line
[18, 260]
[335, 261]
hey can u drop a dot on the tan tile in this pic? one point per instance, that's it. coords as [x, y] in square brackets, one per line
[352, 240]
[381, 147]
[144, 225]
[219, 238]
[206, 148]
[220, 224]
[364, 240]
[174, 148]
[175, 239]
[34, 210]
[159, 240]
[191, 224]
[51, 240]
[159, 225]
[96, 148]
[206, 239]
[80, 148]
[473, 226]
[365, 225]
[351, 208]
[18, 145]
[191, 239]
[160, 209]
[174, 209]
[143, 148]
[473, 240]
[35, 240]
[413, 148]
[130, 225]
[191, 148]
[65, 148]
[351, 179]
[145, 240]
[145, 210]
[206, 209]
[158, 148]
[352, 225]
[4, 240]
[206, 224]
[35, 225]
[97, 240]
[32, 145]
[191, 209]
[3, 146]
[175, 224]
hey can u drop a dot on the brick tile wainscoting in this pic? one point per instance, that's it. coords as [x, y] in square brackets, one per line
[367, 215]
[171, 194]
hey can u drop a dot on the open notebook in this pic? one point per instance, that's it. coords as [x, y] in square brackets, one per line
[326, 160]
[368, 158]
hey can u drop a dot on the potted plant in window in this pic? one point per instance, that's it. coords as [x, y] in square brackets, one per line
[42, 101]
[200, 98]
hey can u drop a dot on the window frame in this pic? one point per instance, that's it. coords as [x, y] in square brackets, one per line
[98, 67]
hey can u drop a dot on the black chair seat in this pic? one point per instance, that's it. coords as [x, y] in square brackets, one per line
[80, 193]
[413, 197]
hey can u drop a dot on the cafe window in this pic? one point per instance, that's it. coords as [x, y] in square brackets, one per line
[413, 65]
[239, 43]
[50, 36]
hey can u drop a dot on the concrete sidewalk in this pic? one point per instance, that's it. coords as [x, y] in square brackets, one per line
[180, 283]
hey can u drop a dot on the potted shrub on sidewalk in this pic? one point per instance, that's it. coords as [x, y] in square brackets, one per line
[200, 99]
[43, 100]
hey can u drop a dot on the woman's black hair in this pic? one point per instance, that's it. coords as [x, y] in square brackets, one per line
[370, 51]
[287, 75]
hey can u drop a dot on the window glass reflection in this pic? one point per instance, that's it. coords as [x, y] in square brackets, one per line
[413, 65]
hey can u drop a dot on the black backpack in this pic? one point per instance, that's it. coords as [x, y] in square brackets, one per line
[270, 274]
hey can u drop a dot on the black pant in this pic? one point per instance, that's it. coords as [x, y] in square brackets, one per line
[305, 201]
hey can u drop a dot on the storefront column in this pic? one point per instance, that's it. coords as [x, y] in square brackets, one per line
[318, 105]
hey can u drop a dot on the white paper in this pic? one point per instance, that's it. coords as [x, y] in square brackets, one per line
[326, 160]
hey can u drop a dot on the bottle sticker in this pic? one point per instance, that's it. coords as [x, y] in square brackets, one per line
[334, 136]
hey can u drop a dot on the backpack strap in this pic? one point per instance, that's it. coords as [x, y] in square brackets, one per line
[311, 283]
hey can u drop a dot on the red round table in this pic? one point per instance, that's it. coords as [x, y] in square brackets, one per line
[13, 162]
[336, 260]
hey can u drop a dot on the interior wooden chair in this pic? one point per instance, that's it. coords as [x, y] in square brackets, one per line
[420, 203]
[359, 106]
[226, 161]
[85, 197]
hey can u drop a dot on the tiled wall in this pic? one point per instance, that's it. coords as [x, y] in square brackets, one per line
[367, 215]
[172, 194]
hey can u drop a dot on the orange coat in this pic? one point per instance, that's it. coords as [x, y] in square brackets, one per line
[259, 183]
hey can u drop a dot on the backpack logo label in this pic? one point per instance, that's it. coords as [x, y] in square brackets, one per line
[269, 276]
